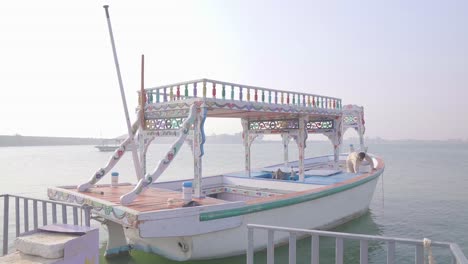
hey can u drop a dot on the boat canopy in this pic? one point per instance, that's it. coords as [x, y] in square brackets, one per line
[180, 110]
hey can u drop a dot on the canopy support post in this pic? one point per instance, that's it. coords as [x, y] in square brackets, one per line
[301, 144]
[198, 142]
[337, 140]
[245, 140]
[286, 138]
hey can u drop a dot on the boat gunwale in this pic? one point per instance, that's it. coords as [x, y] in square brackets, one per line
[252, 206]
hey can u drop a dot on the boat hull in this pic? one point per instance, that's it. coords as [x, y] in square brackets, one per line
[322, 213]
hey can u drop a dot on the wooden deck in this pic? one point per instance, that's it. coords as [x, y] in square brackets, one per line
[153, 199]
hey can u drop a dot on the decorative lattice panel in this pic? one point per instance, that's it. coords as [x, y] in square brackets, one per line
[274, 124]
[318, 125]
[164, 123]
[350, 120]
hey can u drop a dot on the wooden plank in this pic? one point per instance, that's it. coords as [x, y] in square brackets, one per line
[153, 199]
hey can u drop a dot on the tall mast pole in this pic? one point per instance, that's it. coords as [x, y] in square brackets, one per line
[142, 92]
[143, 146]
[136, 162]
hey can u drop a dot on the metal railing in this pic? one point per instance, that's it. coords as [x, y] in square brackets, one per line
[457, 254]
[206, 88]
[47, 210]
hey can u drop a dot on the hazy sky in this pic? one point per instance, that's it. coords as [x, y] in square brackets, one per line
[405, 61]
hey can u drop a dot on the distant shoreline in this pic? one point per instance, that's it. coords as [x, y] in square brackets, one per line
[25, 141]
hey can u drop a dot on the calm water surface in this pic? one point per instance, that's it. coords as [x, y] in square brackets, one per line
[423, 192]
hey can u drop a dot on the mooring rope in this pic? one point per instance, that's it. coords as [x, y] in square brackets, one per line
[427, 247]
[383, 195]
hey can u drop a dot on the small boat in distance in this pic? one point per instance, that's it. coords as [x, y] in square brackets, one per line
[109, 145]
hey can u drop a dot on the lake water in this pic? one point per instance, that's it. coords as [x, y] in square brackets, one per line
[423, 192]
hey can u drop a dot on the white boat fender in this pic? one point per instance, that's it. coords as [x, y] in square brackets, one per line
[187, 191]
[115, 179]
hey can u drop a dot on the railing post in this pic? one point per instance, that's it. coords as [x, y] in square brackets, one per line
[35, 214]
[390, 252]
[26, 215]
[6, 212]
[54, 213]
[271, 247]
[87, 210]
[44, 213]
[364, 252]
[419, 254]
[64, 214]
[17, 216]
[339, 250]
[457, 253]
[75, 215]
[315, 249]
[292, 248]
[250, 246]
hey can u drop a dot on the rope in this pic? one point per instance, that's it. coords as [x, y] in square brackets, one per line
[383, 195]
[427, 247]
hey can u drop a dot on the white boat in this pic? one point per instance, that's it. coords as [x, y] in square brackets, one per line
[152, 216]
[112, 145]
[107, 148]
